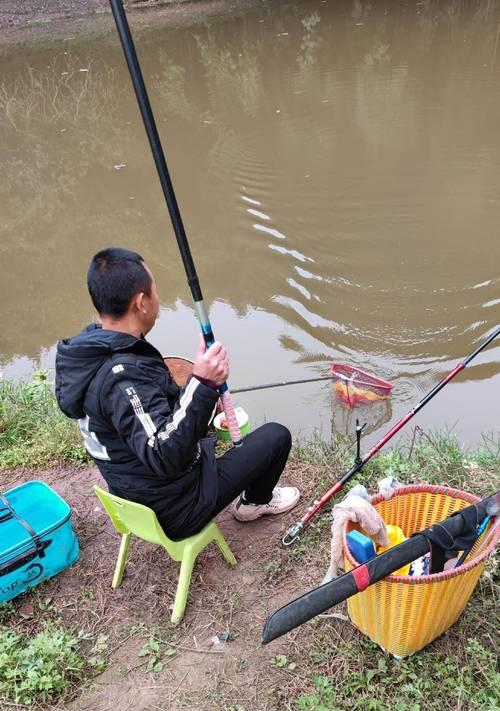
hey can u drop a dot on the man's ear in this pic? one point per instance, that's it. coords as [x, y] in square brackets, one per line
[138, 302]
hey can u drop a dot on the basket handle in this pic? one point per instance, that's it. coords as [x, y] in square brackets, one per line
[40, 548]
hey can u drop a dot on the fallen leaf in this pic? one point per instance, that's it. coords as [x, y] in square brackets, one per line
[26, 611]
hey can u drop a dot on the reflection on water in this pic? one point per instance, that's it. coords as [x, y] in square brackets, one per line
[338, 169]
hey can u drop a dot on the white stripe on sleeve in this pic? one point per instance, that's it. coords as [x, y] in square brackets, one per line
[180, 413]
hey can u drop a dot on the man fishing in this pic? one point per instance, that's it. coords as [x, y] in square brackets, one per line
[147, 436]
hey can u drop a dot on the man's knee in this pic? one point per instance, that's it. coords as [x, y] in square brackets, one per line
[277, 435]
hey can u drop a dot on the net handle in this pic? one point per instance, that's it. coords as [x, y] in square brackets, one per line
[379, 382]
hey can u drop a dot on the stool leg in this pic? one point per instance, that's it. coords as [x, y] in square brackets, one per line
[122, 560]
[224, 548]
[181, 594]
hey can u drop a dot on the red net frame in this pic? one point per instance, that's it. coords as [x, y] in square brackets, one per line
[354, 385]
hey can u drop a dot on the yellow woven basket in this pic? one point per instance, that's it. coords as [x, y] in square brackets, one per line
[403, 614]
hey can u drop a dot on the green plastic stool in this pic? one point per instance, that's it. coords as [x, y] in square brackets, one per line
[129, 517]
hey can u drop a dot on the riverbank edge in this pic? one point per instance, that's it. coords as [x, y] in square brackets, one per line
[39, 24]
[325, 664]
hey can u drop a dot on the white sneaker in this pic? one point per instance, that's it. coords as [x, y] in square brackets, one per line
[284, 499]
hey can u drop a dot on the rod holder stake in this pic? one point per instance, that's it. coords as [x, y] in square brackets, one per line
[359, 430]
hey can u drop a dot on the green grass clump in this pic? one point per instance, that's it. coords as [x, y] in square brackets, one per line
[316, 450]
[436, 457]
[429, 681]
[40, 668]
[33, 431]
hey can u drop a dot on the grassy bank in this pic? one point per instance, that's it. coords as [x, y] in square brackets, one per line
[33, 430]
[56, 640]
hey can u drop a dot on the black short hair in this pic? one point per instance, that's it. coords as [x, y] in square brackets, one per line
[114, 277]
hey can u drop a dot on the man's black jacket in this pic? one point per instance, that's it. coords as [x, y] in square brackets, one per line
[144, 434]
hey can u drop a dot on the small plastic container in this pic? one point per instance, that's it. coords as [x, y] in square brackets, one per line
[395, 536]
[361, 546]
[244, 424]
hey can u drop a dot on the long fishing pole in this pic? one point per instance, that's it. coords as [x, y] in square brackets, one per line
[168, 190]
[319, 599]
[279, 384]
[183, 367]
[294, 532]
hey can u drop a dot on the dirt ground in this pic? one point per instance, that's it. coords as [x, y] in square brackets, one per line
[152, 665]
[238, 675]
[18, 13]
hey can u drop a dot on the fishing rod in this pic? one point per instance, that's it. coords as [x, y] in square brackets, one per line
[183, 367]
[319, 599]
[168, 191]
[294, 532]
[280, 384]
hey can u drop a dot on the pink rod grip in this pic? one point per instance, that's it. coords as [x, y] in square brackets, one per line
[227, 404]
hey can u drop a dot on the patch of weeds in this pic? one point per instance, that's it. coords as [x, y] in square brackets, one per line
[6, 611]
[488, 454]
[298, 549]
[441, 457]
[437, 458]
[393, 463]
[281, 661]
[428, 681]
[157, 649]
[33, 430]
[322, 699]
[137, 628]
[314, 537]
[96, 657]
[272, 570]
[44, 604]
[317, 657]
[87, 592]
[315, 450]
[40, 668]
[240, 664]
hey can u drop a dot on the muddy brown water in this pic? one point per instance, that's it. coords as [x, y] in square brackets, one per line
[337, 165]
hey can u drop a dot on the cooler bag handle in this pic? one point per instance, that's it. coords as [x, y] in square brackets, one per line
[5, 516]
[20, 560]
[40, 548]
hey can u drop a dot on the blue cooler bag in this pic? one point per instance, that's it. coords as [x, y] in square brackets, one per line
[37, 540]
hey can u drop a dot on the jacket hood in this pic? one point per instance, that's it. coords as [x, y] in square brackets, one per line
[79, 358]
